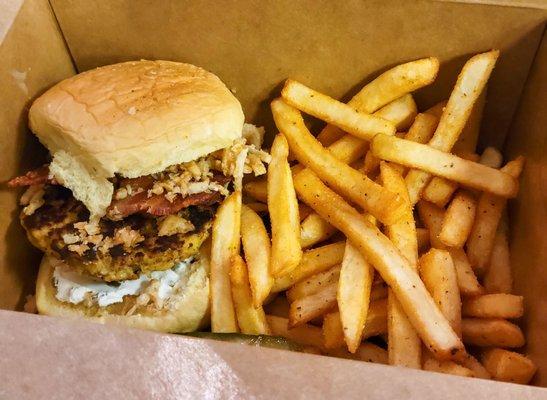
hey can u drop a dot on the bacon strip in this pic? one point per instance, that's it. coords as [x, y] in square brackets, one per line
[158, 205]
[34, 177]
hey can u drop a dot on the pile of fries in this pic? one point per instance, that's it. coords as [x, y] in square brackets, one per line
[387, 241]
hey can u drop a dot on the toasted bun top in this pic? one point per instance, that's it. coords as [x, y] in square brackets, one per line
[132, 119]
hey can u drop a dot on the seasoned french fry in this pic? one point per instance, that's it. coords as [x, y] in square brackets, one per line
[305, 334]
[449, 166]
[458, 219]
[283, 205]
[423, 238]
[499, 305]
[498, 278]
[467, 280]
[353, 295]
[256, 246]
[439, 275]
[307, 308]
[313, 284]
[508, 366]
[257, 189]
[348, 149]
[333, 332]
[432, 217]
[418, 305]
[313, 261]
[439, 191]
[470, 84]
[365, 352]
[314, 229]
[224, 245]
[467, 141]
[491, 332]
[396, 82]
[251, 319]
[374, 199]
[468, 361]
[421, 131]
[404, 344]
[444, 367]
[345, 117]
[489, 212]
[401, 112]
[388, 87]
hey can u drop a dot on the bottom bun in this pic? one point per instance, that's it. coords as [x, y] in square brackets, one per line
[190, 310]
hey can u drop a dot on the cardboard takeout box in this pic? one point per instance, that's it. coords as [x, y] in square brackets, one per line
[253, 46]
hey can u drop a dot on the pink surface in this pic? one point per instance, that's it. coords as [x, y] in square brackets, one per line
[49, 358]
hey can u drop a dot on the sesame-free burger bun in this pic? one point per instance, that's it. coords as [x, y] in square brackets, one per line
[133, 119]
[191, 311]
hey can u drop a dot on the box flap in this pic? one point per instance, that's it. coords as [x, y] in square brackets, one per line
[98, 362]
[34, 57]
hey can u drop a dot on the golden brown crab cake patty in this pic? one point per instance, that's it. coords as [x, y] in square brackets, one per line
[49, 226]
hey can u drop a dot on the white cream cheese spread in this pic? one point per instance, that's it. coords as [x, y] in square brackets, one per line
[73, 287]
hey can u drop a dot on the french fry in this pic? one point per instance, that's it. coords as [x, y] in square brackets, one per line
[367, 352]
[499, 305]
[498, 278]
[468, 361]
[418, 305]
[353, 295]
[283, 205]
[467, 280]
[432, 217]
[307, 308]
[508, 366]
[333, 332]
[224, 245]
[422, 128]
[388, 87]
[258, 207]
[348, 149]
[256, 246]
[439, 275]
[313, 261]
[489, 212]
[404, 344]
[467, 141]
[449, 166]
[314, 229]
[313, 284]
[381, 203]
[439, 191]
[470, 84]
[305, 334]
[257, 190]
[458, 219]
[444, 367]
[422, 235]
[374, 199]
[251, 319]
[491, 332]
[421, 131]
[345, 117]
[401, 112]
